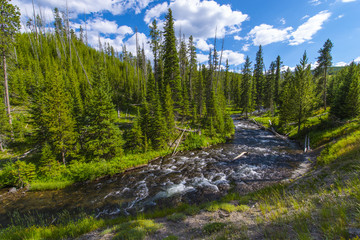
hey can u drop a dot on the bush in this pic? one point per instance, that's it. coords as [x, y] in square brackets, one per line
[213, 227]
[17, 174]
[194, 141]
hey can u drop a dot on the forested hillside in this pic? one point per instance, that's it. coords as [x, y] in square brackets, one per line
[71, 104]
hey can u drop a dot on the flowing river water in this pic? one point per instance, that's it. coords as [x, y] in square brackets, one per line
[193, 177]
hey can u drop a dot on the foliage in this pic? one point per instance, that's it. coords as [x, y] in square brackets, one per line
[17, 174]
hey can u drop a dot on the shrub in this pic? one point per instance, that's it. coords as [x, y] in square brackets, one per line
[194, 141]
[17, 174]
[213, 227]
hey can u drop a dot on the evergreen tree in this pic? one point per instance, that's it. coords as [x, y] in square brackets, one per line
[135, 138]
[227, 82]
[53, 116]
[277, 80]
[246, 99]
[169, 111]
[258, 87]
[269, 89]
[171, 59]
[192, 67]
[102, 138]
[287, 101]
[324, 61]
[347, 98]
[303, 97]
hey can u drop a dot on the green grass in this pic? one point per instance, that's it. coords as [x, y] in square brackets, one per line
[49, 185]
[176, 217]
[214, 227]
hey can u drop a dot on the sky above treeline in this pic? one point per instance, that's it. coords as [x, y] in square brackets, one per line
[282, 27]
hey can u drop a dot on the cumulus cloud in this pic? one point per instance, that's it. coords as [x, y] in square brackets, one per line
[213, 16]
[155, 12]
[306, 31]
[346, 1]
[283, 21]
[203, 45]
[357, 60]
[340, 64]
[245, 48]
[202, 58]
[266, 34]
[235, 58]
[238, 38]
[339, 17]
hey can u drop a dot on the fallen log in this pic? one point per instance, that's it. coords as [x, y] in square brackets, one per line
[187, 130]
[240, 155]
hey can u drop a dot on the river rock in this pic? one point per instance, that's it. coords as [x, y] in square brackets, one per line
[12, 190]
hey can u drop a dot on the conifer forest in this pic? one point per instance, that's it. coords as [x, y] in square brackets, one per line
[71, 114]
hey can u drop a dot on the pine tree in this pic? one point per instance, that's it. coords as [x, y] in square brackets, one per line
[158, 127]
[269, 89]
[102, 138]
[287, 102]
[169, 111]
[134, 137]
[227, 82]
[258, 87]
[171, 59]
[303, 97]
[192, 67]
[347, 98]
[324, 61]
[246, 99]
[53, 116]
[277, 80]
[9, 25]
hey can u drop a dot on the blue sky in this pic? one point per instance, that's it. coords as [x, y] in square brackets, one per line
[285, 28]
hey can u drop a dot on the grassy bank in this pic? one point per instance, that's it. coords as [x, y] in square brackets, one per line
[323, 204]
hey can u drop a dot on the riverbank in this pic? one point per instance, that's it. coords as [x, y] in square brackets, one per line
[324, 203]
[79, 171]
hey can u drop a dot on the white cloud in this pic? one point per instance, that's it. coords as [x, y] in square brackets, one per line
[202, 58]
[339, 17]
[201, 18]
[203, 45]
[306, 31]
[235, 58]
[155, 12]
[282, 21]
[357, 60]
[285, 68]
[238, 38]
[245, 48]
[346, 1]
[340, 64]
[305, 17]
[102, 26]
[266, 34]
[315, 2]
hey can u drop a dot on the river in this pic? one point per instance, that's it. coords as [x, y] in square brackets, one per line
[193, 177]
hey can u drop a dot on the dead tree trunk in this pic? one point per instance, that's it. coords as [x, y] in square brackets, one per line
[7, 91]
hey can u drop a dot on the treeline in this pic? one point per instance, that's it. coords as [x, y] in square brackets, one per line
[294, 95]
